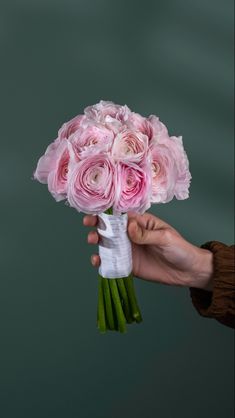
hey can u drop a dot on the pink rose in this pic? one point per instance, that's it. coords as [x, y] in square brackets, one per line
[170, 174]
[129, 145]
[68, 128]
[106, 111]
[91, 187]
[134, 187]
[52, 168]
[92, 140]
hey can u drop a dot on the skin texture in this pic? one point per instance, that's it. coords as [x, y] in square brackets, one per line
[160, 254]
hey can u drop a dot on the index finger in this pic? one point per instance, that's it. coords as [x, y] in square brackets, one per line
[148, 220]
[90, 220]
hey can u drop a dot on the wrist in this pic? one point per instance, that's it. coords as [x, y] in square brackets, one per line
[202, 270]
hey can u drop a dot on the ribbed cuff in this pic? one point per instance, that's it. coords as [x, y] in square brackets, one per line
[220, 303]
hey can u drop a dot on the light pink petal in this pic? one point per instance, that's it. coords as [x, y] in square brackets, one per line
[47, 162]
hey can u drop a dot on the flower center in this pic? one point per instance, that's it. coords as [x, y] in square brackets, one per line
[95, 176]
[93, 141]
[65, 171]
[155, 169]
[127, 149]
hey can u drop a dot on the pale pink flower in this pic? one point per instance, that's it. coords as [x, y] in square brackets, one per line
[91, 187]
[184, 176]
[129, 145]
[52, 168]
[68, 128]
[107, 112]
[92, 140]
[170, 170]
[158, 129]
[152, 127]
[133, 187]
[164, 173]
[57, 179]
[47, 162]
[137, 122]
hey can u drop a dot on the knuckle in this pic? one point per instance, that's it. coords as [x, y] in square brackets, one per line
[166, 235]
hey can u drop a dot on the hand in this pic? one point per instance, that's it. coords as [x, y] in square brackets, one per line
[160, 253]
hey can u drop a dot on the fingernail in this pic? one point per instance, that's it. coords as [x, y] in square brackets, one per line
[92, 260]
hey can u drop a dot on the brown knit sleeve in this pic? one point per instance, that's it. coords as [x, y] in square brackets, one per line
[220, 303]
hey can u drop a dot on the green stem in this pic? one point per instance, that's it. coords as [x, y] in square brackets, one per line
[132, 297]
[125, 300]
[108, 303]
[101, 310]
[109, 211]
[118, 306]
[114, 309]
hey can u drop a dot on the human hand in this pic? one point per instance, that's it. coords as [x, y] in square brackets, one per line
[160, 253]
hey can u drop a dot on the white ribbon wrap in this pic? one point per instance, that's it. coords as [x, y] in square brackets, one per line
[114, 246]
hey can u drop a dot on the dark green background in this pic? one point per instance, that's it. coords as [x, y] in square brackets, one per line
[171, 58]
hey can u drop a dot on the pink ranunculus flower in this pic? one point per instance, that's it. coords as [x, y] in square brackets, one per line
[152, 127]
[68, 128]
[182, 163]
[129, 145]
[158, 129]
[58, 178]
[164, 173]
[170, 172]
[47, 162]
[134, 187]
[137, 122]
[92, 183]
[95, 139]
[52, 169]
[107, 112]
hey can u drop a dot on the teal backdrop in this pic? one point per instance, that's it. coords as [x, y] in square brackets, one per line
[170, 58]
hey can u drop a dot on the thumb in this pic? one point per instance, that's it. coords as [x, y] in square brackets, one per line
[140, 235]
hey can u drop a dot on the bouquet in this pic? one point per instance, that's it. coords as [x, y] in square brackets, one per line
[106, 162]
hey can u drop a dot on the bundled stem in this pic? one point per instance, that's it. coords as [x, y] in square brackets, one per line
[117, 304]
